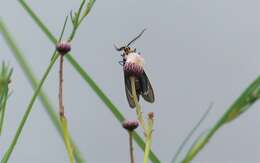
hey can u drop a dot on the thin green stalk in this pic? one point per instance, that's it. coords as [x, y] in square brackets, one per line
[64, 125]
[148, 132]
[138, 107]
[148, 144]
[3, 108]
[191, 133]
[87, 10]
[246, 99]
[76, 23]
[33, 81]
[75, 20]
[5, 78]
[118, 115]
[63, 120]
[27, 112]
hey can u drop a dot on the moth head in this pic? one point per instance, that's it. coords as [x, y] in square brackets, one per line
[127, 49]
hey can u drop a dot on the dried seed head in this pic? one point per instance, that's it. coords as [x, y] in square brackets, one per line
[63, 47]
[130, 125]
[134, 65]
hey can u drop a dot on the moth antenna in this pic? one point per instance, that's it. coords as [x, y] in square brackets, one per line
[136, 37]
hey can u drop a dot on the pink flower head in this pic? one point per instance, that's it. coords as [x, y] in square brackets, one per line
[130, 125]
[63, 47]
[134, 64]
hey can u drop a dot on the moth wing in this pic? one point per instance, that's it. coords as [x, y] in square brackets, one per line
[147, 89]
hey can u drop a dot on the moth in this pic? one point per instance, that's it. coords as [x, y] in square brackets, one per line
[142, 84]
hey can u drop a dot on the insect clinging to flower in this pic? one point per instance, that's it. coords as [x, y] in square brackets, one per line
[133, 66]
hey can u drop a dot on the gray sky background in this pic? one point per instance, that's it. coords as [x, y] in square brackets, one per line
[196, 52]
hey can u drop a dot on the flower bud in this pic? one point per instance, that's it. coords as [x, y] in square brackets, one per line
[150, 115]
[63, 47]
[130, 125]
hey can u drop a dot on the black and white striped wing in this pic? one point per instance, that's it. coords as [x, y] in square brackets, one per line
[146, 88]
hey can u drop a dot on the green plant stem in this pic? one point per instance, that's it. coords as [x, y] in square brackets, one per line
[118, 115]
[27, 112]
[63, 119]
[239, 104]
[87, 10]
[66, 138]
[191, 133]
[148, 144]
[138, 107]
[5, 78]
[75, 21]
[148, 132]
[3, 108]
[33, 81]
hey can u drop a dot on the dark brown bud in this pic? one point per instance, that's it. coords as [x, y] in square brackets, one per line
[130, 125]
[63, 47]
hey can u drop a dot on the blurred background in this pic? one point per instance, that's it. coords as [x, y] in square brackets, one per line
[196, 52]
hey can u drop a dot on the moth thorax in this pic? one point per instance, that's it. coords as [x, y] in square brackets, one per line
[135, 58]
